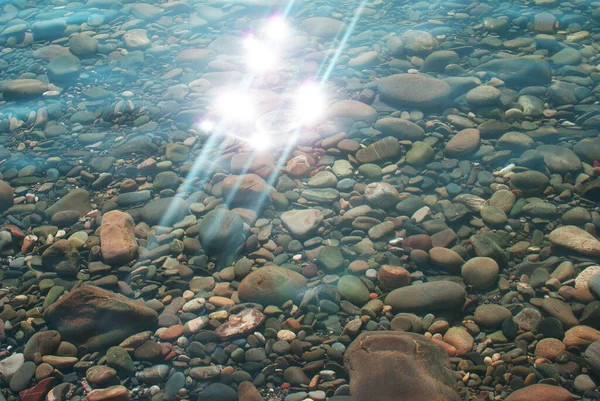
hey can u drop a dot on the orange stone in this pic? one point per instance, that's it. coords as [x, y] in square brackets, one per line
[172, 333]
[540, 392]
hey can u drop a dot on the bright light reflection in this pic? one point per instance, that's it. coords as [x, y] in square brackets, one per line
[206, 126]
[260, 142]
[235, 106]
[276, 29]
[259, 56]
[310, 102]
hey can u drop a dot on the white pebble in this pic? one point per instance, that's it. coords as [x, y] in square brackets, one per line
[260, 337]
[286, 335]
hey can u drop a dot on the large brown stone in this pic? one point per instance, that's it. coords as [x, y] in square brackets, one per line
[77, 199]
[221, 231]
[197, 58]
[540, 392]
[62, 257]
[352, 109]
[323, 27]
[575, 239]
[113, 393]
[271, 285]
[22, 88]
[384, 149]
[398, 366]
[427, 297]
[414, 90]
[40, 344]
[249, 190]
[117, 240]
[301, 223]
[261, 164]
[6, 196]
[97, 318]
[247, 392]
[446, 259]
[463, 143]
[581, 336]
[392, 277]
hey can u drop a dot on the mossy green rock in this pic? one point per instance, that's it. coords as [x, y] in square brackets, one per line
[420, 153]
[271, 285]
[352, 289]
[119, 359]
[330, 258]
[427, 297]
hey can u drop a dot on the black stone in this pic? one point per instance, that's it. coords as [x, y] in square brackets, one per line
[551, 327]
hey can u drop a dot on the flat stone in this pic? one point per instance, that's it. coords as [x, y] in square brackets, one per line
[352, 109]
[271, 285]
[22, 88]
[352, 289]
[491, 316]
[98, 318]
[77, 199]
[325, 28]
[540, 392]
[381, 194]
[221, 231]
[244, 322]
[383, 149]
[113, 393]
[301, 224]
[63, 68]
[575, 239]
[427, 297]
[463, 143]
[164, 211]
[480, 272]
[418, 42]
[400, 128]
[519, 72]
[414, 90]
[393, 365]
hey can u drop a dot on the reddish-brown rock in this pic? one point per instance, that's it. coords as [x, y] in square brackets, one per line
[581, 336]
[393, 365]
[463, 143]
[172, 333]
[549, 348]
[243, 323]
[392, 277]
[419, 241]
[117, 239]
[261, 164]
[540, 392]
[6, 196]
[446, 259]
[114, 393]
[37, 392]
[298, 166]
[460, 339]
[247, 190]
[96, 318]
[271, 285]
[247, 392]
